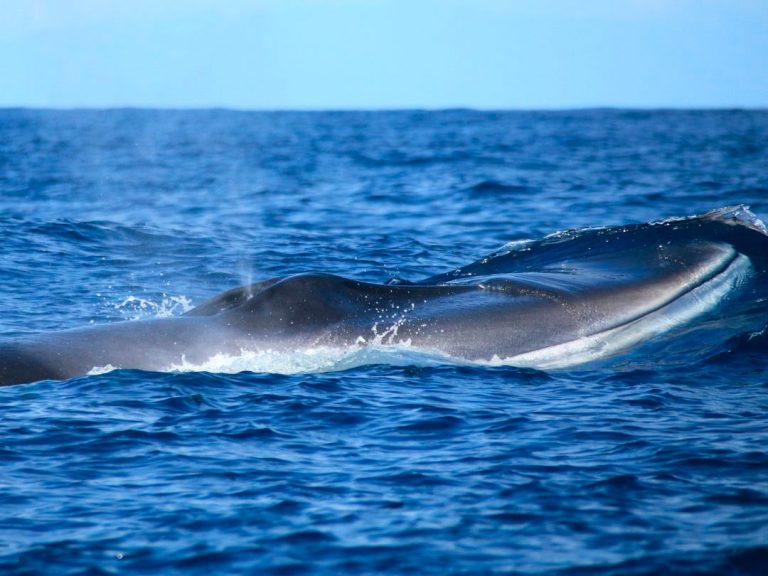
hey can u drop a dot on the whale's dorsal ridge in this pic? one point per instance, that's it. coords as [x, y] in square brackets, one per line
[231, 298]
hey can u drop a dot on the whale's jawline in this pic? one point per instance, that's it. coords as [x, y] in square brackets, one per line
[696, 302]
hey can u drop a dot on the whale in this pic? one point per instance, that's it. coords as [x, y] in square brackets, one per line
[566, 300]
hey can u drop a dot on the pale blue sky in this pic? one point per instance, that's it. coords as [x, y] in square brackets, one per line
[320, 54]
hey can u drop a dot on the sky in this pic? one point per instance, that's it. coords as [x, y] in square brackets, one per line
[383, 54]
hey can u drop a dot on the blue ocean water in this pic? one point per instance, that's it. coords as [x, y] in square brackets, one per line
[446, 469]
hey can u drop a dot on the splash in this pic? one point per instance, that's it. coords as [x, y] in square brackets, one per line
[310, 360]
[136, 308]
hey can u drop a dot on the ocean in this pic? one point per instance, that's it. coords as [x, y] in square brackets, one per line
[302, 464]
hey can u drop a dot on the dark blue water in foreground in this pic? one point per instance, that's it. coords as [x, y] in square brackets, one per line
[118, 215]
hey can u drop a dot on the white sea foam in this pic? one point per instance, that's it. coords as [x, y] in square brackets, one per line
[317, 359]
[381, 348]
[96, 370]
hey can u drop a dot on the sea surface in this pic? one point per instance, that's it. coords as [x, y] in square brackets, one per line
[300, 465]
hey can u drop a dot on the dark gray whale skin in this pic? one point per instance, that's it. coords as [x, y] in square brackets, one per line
[560, 289]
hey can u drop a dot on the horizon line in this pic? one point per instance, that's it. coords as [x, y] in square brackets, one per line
[481, 109]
